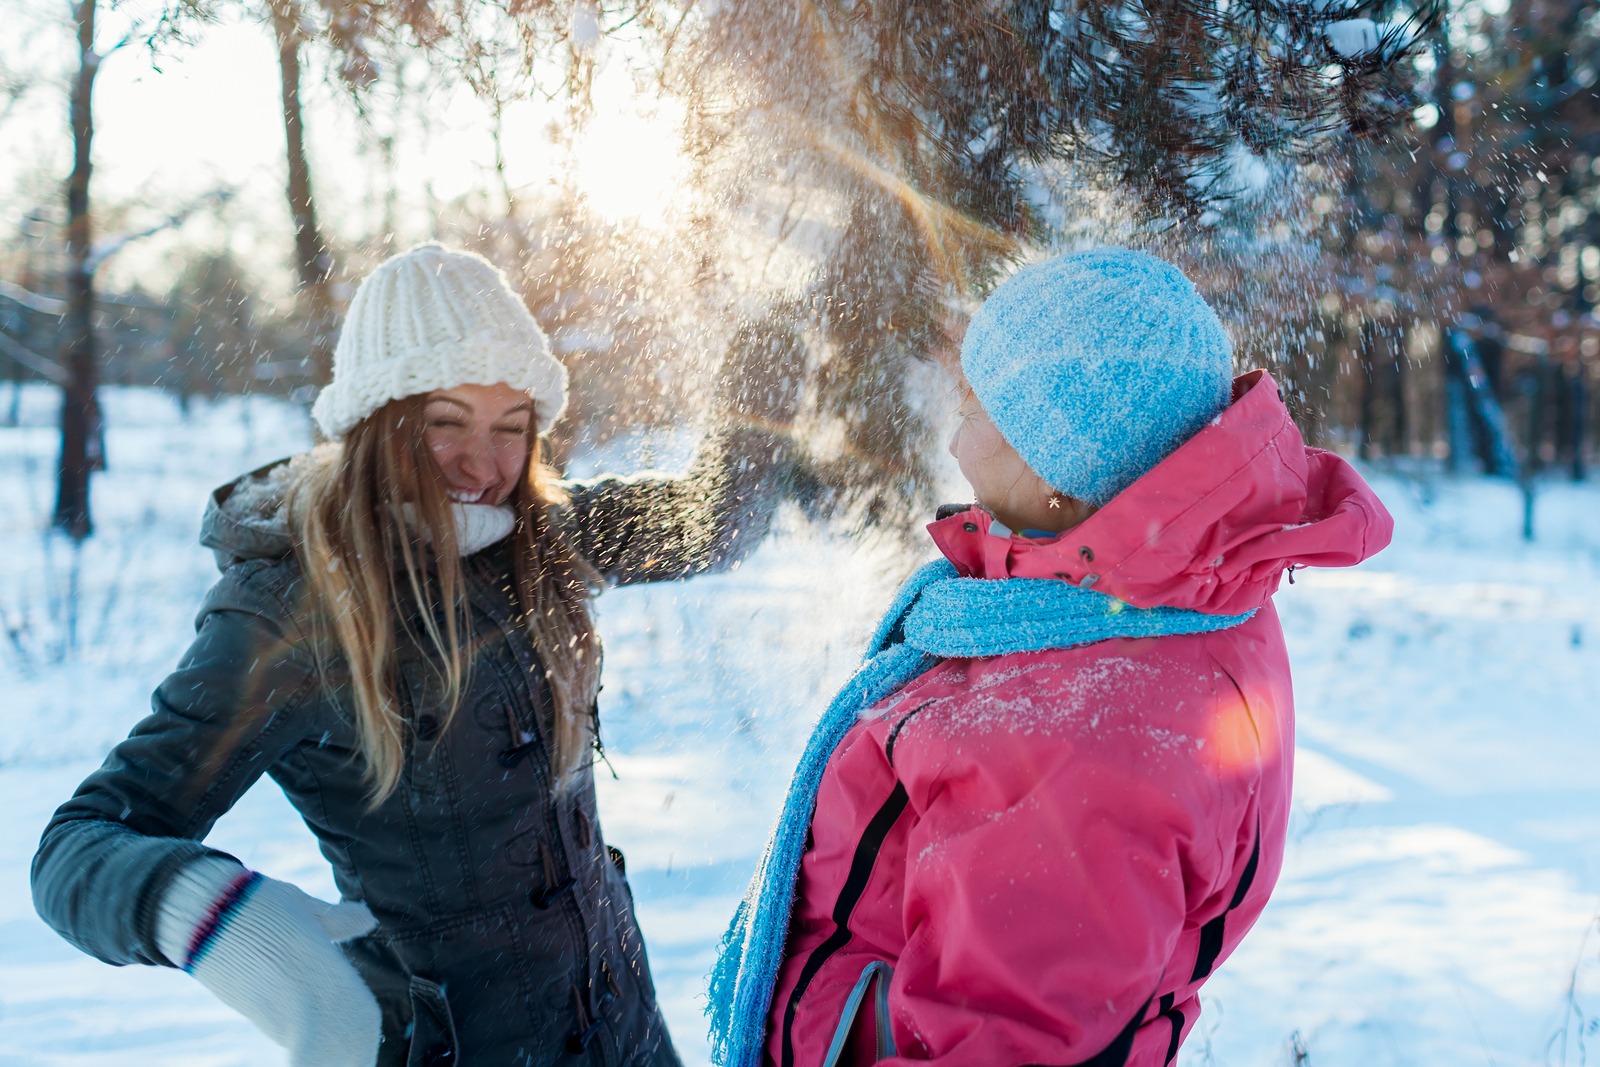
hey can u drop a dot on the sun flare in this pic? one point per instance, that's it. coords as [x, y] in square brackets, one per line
[627, 165]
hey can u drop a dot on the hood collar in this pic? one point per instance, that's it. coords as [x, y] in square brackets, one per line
[248, 517]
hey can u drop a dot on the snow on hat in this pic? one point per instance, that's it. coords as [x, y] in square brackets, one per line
[1096, 365]
[433, 319]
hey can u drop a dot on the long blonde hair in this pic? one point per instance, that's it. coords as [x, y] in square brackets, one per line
[365, 566]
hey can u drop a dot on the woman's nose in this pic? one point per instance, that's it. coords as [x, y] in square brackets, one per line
[477, 458]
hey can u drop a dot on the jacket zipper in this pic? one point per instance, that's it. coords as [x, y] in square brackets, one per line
[855, 884]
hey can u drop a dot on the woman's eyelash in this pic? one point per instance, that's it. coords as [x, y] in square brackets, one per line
[457, 424]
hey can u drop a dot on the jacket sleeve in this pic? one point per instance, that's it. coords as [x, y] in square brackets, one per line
[1043, 897]
[227, 712]
[653, 527]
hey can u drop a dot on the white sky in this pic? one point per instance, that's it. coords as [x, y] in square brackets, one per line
[210, 117]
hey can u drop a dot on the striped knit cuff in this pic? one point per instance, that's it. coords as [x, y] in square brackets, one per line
[218, 916]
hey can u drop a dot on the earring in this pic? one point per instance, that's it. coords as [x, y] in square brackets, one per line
[1055, 500]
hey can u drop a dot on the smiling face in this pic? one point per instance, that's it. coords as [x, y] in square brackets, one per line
[481, 437]
[1002, 482]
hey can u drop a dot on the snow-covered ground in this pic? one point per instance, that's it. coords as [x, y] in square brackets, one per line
[1437, 906]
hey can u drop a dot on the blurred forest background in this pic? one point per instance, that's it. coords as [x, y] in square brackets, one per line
[1395, 207]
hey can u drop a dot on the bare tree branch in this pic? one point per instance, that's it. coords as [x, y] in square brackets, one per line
[103, 250]
[42, 365]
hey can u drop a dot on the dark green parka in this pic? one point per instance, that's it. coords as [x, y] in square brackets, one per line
[506, 928]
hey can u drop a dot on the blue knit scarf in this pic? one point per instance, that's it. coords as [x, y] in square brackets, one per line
[935, 615]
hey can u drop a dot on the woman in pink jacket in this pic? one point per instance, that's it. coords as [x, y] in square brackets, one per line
[1054, 798]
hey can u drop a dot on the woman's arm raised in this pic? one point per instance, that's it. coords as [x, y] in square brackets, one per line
[654, 527]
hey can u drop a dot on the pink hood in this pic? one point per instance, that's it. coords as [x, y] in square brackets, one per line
[1212, 527]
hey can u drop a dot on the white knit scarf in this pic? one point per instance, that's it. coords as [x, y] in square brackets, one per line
[477, 525]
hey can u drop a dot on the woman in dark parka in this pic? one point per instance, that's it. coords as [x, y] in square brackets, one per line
[400, 639]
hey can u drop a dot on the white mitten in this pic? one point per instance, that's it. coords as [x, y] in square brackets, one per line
[267, 950]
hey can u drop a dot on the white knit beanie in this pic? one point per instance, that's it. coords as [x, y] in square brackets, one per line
[433, 319]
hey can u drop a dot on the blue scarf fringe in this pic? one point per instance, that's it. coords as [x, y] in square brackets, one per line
[935, 615]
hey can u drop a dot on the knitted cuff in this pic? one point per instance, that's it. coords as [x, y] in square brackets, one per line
[198, 905]
[217, 917]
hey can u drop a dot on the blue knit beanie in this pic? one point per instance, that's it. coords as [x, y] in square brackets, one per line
[1096, 365]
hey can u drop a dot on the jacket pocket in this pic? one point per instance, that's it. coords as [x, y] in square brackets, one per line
[877, 973]
[383, 972]
[433, 1029]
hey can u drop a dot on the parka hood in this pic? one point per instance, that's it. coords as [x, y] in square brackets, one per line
[248, 518]
[1211, 528]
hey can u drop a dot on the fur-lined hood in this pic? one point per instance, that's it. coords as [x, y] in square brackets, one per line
[248, 518]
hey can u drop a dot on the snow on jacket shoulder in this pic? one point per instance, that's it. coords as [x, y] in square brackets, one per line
[1055, 849]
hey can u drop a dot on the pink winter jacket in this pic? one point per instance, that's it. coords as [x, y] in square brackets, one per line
[1053, 850]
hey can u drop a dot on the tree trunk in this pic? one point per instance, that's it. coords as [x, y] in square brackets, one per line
[313, 264]
[1400, 424]
[80, 411]
[1578, 399]
[1445, 134]
[1367, 361]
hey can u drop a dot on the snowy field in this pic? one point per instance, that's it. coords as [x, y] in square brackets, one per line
[1438, 902]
